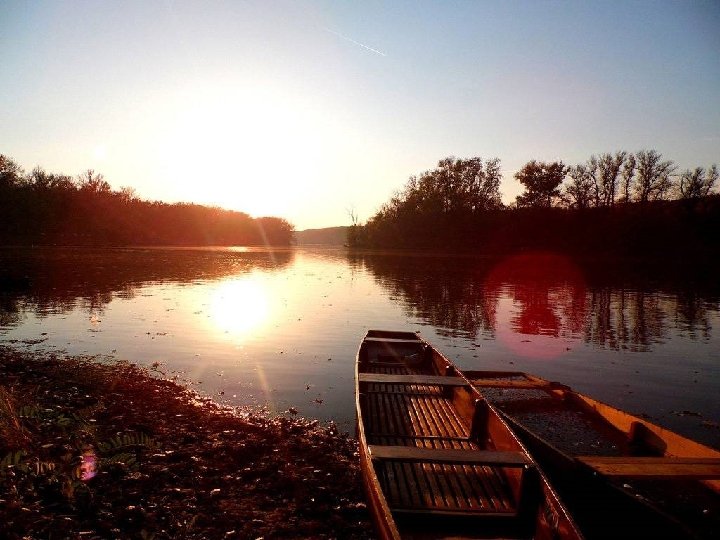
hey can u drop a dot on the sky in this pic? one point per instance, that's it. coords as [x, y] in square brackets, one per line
[313, 110]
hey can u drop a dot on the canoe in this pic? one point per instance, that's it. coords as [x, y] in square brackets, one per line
[661, 483]
[437, 459]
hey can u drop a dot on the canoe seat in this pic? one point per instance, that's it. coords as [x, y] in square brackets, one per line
[448, 456]
[657, 467]
[518, 385]
[391, 340]
[433, 380]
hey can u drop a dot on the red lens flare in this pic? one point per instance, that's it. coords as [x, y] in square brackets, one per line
[541, 303]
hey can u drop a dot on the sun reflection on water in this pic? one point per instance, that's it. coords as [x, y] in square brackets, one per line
[240, 307]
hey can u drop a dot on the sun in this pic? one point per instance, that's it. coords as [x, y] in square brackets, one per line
[251, 148]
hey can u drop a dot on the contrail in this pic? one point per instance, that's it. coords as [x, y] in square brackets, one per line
[356, 42]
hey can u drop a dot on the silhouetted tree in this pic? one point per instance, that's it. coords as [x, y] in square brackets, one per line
[11, 173]
[93, 182]
[653, 176]
[438, 204]
[457, 185]
[48, 208]
[697, 183]
[607, 170]
[354, 229]
[274, 231]
[579, 192]
[542, 182]
[628, 174]
[128, 194]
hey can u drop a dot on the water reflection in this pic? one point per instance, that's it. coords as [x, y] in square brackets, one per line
[239, 306]
[537, 304]
[540, 295]
[540, 304]
[280, 329]
[61, 279]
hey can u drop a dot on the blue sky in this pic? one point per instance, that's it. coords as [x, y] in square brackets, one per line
[308, 109]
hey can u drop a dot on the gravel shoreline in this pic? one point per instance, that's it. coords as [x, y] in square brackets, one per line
[96, 450]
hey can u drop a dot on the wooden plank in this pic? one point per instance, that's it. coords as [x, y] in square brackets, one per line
[658, 467]
[398, 366]
[501, 493]
[433, 380]
[529, 385]
[433, 455]
[425, 408]
[391, 340]
[387, 409]
[467, 479]
[433, 472]
[474, 374]
[449, 417]
[437, 406]
[404, 473]
[476, 511]
[489, 479]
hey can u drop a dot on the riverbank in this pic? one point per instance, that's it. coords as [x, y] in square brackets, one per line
[97, 450]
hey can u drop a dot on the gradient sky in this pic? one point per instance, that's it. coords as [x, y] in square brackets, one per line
[307, 109]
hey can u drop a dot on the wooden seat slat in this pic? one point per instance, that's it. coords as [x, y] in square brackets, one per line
[432, 380]
[448, 455]
[658, 467]
[529, 385]
[476, 511]
[391, 340]
[435, 484]
[400, 363]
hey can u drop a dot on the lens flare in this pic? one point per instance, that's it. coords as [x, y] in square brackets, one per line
[542, 303]
[88, 465]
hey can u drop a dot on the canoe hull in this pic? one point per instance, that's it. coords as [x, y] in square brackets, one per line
[437, 459]
[601, 457]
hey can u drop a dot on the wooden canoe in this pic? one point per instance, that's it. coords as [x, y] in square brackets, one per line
[438, 461]
[662, 484]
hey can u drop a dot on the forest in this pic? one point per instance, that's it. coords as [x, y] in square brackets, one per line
[613, 204]
[41, 208]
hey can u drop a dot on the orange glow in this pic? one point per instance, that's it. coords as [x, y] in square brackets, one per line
[239, 307]
[541, 307]
[231, 134]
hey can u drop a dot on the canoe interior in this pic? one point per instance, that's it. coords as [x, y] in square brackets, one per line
[666, 484]
[409, 396]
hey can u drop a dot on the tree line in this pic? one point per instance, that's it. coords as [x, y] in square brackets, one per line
[57, 209]
[613, 203]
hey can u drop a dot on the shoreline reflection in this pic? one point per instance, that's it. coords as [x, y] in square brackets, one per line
[547, 296]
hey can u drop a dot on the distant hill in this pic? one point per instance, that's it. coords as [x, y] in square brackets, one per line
[331, 236]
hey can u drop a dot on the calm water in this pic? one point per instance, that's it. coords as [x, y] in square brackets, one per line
[280, 329]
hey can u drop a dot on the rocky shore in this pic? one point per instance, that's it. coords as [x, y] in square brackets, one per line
[90, 449]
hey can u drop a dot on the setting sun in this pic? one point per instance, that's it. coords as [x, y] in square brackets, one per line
[231, 136]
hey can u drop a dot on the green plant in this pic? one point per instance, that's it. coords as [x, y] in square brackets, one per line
[11, 426]
[60, 468]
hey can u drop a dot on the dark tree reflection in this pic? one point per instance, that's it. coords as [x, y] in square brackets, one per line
[446, 292]
[611, 304]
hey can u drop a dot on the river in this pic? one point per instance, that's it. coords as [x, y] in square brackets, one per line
[278, 329]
